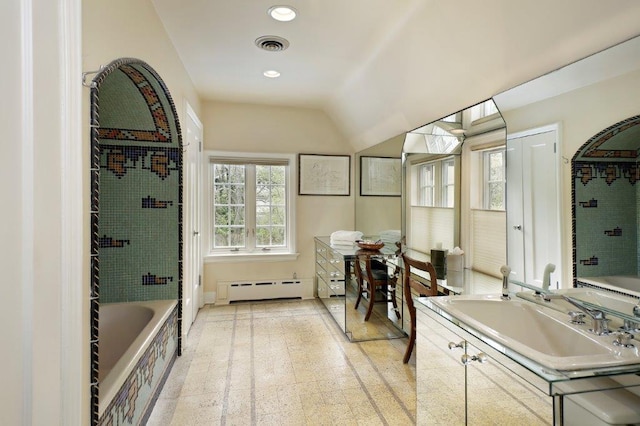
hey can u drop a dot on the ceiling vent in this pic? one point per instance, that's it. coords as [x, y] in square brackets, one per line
[272, 43]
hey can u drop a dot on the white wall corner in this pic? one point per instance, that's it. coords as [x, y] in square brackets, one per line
[209, 297]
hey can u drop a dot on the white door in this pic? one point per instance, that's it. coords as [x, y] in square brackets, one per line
[533, 218]
[192, 286]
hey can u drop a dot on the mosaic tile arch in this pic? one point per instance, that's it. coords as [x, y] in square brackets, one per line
[605, 200]
[136, 195]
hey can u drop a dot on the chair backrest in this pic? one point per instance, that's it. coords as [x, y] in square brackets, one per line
[367, 274]
[410, 283]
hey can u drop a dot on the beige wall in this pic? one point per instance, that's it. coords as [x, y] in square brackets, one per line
[131, 28]
[272, 129]
[581, 114]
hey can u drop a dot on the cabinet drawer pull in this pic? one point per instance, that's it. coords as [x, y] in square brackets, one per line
[456, 345]
[468, 359]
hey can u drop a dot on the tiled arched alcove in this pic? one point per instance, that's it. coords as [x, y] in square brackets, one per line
[136, 220]
[605, 201]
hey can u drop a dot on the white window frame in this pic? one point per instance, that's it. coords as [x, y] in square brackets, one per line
[251, 253]
[423, 186]
[445, 202]
[485, 178]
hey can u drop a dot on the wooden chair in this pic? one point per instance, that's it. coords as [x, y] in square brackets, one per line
[420, 288]
[372, 279]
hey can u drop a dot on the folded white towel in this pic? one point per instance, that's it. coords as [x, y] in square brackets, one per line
[346, 236]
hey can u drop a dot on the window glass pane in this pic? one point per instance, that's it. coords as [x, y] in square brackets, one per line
[277, 195]
[263, 194]
[278, 175]
[236, 215]
[221, 215]
[237, 237]
[449, 173]
[263, 236]
[277, 235]
[236, 194]
[263, 215]
[494, 179]
[221, 195]
[427, 185]
[228, 205]
[221, 237]
[263, 175]
[277, 215]
[236, 173]
[270, 205]
[448, 196]
[496, 167]
[496, 196]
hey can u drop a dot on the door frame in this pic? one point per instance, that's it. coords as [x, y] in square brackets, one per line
[556, 128]
[193, 263]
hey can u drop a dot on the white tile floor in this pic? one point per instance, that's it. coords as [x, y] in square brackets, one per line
[284, 363]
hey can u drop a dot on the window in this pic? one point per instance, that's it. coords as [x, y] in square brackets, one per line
[484, 109]
[427, 185]
[436, 183]
[448, 183]
[251, 205]
[494, 179]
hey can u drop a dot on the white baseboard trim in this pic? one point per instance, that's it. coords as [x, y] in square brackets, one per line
[229, 291]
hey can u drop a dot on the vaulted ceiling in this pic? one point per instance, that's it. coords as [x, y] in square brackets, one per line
[383, 67]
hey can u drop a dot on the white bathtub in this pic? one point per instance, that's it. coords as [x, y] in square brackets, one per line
[629, 284]
[126, 331]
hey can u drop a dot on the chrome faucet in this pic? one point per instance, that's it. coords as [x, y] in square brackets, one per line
[598, 319]
[505, 271]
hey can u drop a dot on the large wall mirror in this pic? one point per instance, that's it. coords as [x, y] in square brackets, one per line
[446, 203]
[377, 207]
[592, 106]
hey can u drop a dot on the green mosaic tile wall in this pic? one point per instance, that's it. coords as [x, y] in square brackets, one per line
[139, 211]
[607, 226]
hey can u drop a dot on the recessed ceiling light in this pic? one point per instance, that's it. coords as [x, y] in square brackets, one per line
[271, 74]
[282, 13]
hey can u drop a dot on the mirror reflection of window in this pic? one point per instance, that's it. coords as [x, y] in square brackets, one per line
[448, 183]
[427, 185]
[481, 110]
[436, 183]
[494, 179]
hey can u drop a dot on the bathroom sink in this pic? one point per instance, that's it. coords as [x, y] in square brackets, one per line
[539, 333]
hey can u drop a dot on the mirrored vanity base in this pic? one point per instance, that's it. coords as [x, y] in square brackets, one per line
[337, 288]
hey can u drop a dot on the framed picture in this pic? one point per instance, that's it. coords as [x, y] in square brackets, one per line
[324, 174]
[380, 176]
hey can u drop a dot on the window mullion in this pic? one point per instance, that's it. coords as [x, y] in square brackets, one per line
[250, 207]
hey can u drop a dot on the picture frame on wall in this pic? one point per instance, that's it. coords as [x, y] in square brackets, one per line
[380, 176]
[320, 174]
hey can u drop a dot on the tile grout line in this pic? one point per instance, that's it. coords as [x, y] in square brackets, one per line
[227, 385]
[354, 371]
[253, 370]
[387, 385]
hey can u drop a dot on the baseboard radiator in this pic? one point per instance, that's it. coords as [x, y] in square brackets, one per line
[235, 291]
